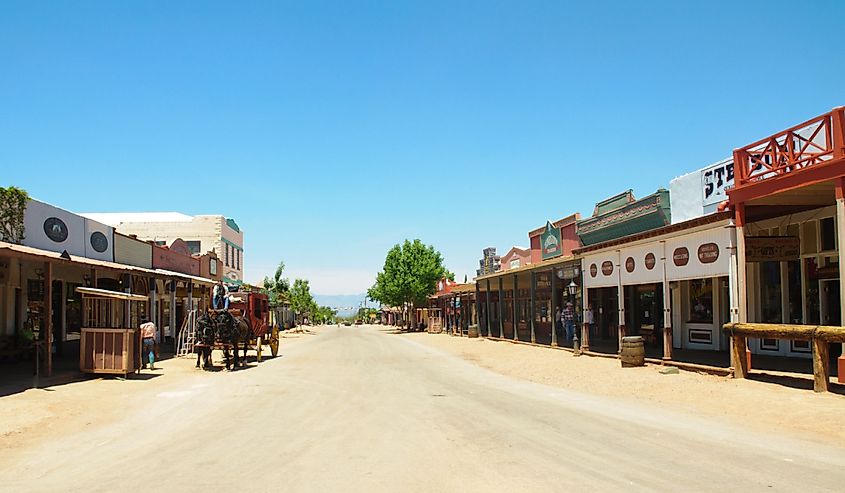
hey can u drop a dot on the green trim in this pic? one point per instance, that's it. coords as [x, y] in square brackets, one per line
[232, 224]
[224, 240]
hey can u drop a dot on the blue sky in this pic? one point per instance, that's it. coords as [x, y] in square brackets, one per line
[332, 130]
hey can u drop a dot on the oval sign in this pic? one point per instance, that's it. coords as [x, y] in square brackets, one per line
[630, 264]
[681, 256]
[708, 253]
[607, 267]
[594, 270]
[649, 261]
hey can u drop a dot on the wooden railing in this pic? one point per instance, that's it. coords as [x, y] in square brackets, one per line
[812, 143]
[821, 336]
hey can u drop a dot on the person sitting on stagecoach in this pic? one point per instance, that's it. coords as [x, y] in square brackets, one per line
[220, 296]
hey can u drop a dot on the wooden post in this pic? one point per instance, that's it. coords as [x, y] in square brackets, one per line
[667, 310]
[554, 307]
[740, 357]
[515, 324]
[173, 330]
[585, 304]
[532, 312]
[501, 310]
[153, 296]
[48, 318]
[840, 237]
[620, 299]
[821, 365]
[742, 275]
[487, 307]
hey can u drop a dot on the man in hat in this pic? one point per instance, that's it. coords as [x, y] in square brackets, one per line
[568, 319]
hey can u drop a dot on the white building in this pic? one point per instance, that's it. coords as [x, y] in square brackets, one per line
[202, 234]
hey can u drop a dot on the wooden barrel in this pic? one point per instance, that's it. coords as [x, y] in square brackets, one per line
[633, 352]
[472, 331]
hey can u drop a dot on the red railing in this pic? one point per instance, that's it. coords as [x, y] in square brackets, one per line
[811, 143]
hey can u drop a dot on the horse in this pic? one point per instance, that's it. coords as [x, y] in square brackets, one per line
[232, 330]
[205, 337]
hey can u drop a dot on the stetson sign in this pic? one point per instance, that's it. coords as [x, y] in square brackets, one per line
[550, 242]
[772, 248]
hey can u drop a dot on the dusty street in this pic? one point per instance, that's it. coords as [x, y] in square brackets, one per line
[361, 409]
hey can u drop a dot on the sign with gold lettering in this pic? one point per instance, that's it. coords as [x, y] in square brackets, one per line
[772, 248]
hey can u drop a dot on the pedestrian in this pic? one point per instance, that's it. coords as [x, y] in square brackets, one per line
[589, 319]
[568, 317]
[148, 340]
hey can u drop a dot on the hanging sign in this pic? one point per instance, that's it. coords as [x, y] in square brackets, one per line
[550, 242]
[772, 248]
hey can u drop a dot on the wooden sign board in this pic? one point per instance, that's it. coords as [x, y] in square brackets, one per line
[772, 248]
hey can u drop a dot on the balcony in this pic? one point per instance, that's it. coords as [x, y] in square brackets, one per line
[806, 154]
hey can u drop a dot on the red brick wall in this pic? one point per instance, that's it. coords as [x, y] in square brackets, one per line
[176, 258]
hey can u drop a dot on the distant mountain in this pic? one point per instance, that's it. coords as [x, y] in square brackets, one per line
[342, 300]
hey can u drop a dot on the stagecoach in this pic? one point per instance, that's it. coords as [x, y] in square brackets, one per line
[254, 307]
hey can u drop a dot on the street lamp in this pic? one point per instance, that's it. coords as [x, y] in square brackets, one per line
[576, 347]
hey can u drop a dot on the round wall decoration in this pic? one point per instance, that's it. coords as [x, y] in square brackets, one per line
[708, 253]
[99, 242]
[630, 264]
[681, 256]
[649, 261]
[607, 267]
[55, 229]
[594, 270]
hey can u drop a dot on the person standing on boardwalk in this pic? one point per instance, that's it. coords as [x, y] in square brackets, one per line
[148, 340]
[568, 318]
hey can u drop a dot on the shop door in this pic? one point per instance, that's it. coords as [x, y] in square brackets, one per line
[832, 310]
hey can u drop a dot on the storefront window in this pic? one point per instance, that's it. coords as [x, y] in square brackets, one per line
[811, 287]
[771, 305]
[828, 234]
[796, 310]
[701, 301]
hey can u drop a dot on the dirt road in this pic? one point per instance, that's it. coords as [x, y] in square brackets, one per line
[359, 409]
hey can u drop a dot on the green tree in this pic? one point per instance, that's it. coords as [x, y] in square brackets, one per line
[410, 275]
[301, 301]
[13, 202]
[278, 287]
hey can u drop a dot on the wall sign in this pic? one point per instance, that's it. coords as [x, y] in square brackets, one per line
[99, 242]
[708, 253]
[607, 267]
[550, 242]
[630, 264]
[772, 248]
[681, 256]
[714, 181]
[55, 229]
[593, 270]
[649, 261]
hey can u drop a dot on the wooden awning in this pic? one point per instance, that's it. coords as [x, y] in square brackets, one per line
[105, 293]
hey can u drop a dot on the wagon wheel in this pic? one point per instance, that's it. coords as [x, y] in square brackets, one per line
[274, 341]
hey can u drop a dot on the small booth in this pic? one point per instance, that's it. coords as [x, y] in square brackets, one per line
[110, 342]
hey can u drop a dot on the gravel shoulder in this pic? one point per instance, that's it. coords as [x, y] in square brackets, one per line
[759, 405]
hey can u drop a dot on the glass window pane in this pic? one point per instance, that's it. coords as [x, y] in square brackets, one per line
[701, 301]
[809, 242]
[771, 308]
[828, 234]
[796, 310]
